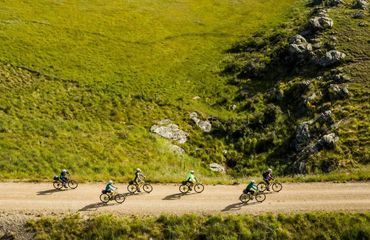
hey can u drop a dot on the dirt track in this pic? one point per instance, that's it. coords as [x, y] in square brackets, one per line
[36, 198]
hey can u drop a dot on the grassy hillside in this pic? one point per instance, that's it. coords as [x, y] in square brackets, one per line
[82, 82]
[302, 226]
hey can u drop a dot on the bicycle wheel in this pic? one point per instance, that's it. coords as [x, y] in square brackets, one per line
[198, 188]
[261, 186]
[131, 188]
[276, 187]
[104, 198]
[184, 188]
[260, 197]
[147, 188]
[244, 198]
[72, 184]
[57, 185]
[120, 198]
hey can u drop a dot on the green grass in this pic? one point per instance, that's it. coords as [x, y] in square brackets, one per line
[103, 73]
[267, 226]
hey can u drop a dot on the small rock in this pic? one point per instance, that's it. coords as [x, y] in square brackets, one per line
[326, 118]
[359, 15]
[196, 98]
[337, 91]
[334, 3]
[217, 167]
[341, 78]
[232, 107]
[363, 24]
[332, 57]
[360, 4]
[176, 149]
[299, 45]
[327, 141]
[206, 126]
[321, 21]
[170, 131]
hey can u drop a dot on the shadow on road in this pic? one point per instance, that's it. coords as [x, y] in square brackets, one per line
[236, 206]
[94, 206]
[176, 196]
[48, 192]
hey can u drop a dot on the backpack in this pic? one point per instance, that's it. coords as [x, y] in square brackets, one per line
[265, 174]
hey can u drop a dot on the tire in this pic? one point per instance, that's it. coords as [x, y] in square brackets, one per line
[72, 184]
[276, 187]
[131, 188]
[262, 187]
[244, 198]
[147, 188]
[198, 188]
[57, 185]
[104, 198]
[184, 188]
[120, 198]
[260, 197]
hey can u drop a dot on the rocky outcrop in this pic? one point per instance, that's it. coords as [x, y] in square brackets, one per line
[321, 21]
[206, 126]
[215, 167]
[167, 129]
[337, 91]
[360, 4]
[327, 141]
[299, 46]
[302, 137]
[332, 57]
[326, 118]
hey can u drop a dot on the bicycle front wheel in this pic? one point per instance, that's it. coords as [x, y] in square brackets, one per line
[120, 198]
[147, 188]
[72, 184]
[198, 188]
[260, 197]
[276, 187]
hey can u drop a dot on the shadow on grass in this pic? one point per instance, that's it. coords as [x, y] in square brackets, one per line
[237, 206]
[176, 196]
[49, 191]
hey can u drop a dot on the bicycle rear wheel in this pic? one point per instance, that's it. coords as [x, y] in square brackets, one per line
[261, 186]
[244, 198]
[72, 184]
[104, 198]
[184, 188]
[147, 188]
[120, 198]
[57, 185]
[276, 187]
[260, 197]
[198, 188]
[131, 188]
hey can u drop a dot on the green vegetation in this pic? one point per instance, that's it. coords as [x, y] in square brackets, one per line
[268, 226]
[81, 83]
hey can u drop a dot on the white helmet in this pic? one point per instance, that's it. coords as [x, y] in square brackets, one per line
[64, 170]
[138, 170]
[270, 170]
[192, 172]
[253, 181]
[110, 181]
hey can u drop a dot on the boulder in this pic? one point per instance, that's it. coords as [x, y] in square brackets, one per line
[302, 136]
[326, 118]
[337, 91]
[321, 21]
[176, 149]
[205, 126]
[299, 45]
[169, 130]
[327, 141]
[360, 4]
[217, 167]
[332, 57]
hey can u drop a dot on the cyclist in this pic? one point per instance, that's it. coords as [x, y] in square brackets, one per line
[251, 187]
[267, 177]
[109, 188]
[190, 178]
[63, 177]
[139, 178]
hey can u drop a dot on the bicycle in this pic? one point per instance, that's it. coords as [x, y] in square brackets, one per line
[246, 197]
[274, 185]
[186, 187]
[134, 187]
[58, 183]
[105, 197]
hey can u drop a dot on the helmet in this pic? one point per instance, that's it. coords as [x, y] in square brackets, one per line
[138, 170]
[64, 170]
[270, 170]
[192, 172]
[110, 181]
[253, 181]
